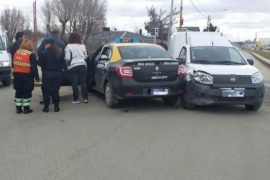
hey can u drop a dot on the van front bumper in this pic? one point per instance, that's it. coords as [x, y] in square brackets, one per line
[5, 73]
[200, 94]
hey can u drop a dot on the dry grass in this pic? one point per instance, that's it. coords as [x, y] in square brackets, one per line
[265, 54]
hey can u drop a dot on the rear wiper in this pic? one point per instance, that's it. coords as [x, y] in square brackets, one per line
[228, 62]
[201, 62]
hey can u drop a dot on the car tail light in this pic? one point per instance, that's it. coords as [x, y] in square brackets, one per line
[124, 71]
[181, 70]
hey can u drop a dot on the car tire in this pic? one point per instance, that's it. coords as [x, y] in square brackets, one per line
[110, 99]
[6, 82]
[171, 100]
[255, 107]
[185, 103]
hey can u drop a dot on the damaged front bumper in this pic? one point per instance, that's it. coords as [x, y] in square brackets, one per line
[243, 94]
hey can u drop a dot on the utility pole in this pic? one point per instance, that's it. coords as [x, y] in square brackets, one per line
[208, 22]
[171, 23]
[35, 24]
[181, 18]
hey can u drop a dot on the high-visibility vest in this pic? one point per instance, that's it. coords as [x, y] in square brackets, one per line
[21, 61]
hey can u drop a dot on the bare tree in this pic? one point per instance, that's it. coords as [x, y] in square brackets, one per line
[160, 21]
[47, 11]
[13, 20]
[63, 11]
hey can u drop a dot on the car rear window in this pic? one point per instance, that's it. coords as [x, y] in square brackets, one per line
[138, 52]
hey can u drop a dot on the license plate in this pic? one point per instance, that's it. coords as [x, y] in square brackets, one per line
[160, 91]
[233, 93]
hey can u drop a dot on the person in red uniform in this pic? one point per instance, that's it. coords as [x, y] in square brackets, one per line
[24, 72]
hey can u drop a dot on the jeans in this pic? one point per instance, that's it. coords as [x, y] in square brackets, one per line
[78, 76]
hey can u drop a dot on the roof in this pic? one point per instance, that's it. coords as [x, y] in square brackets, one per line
[112, 35]
[191, 28]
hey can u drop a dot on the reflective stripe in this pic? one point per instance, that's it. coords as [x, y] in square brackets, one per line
[26, 102]
[18, 101]
[22, 64]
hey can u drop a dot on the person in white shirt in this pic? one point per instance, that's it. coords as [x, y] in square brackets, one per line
[75, 56]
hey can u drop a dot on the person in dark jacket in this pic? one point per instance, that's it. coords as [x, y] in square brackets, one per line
[51, 60]
[159, 42]
[24, 72]
[16, 45]
[57, 42]
[55, 37]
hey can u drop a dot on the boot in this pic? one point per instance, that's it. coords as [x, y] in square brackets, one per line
[46, 108]
[27, 110]
[18, 109]
[56, 108]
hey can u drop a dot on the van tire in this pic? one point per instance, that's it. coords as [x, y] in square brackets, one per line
[6, 82]
[171, 100]
[185, 103]
[254, 107]
[110, 98]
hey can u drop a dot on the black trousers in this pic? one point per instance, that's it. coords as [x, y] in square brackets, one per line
[51, 82]
[23, 84]
[78, 76]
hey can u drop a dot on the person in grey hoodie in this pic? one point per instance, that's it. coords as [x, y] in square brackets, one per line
[75, 56]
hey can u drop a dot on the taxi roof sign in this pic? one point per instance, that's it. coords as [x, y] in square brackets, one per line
[126, 40]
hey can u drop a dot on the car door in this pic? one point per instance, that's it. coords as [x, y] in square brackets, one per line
[101, 67]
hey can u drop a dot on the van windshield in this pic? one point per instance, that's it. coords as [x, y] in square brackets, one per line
[216, 55]
[2, 47]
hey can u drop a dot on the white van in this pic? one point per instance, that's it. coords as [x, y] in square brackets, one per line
[5, 60]
[216, 72]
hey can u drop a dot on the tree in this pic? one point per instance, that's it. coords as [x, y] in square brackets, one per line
[211, 29]
[13, 20]
[160, 21]
[83, 16]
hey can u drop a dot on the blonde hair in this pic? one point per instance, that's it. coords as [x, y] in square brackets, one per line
[27, 44]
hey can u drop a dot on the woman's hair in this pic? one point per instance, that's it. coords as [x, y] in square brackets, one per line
[75, 38]
[56, 50]
[27, 44]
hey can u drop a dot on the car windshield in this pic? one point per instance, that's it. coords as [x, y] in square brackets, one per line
[1, 44]
[216, 55]
[143, 51]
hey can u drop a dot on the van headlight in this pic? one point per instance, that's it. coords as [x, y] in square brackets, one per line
[257, 77]
[203, 78]
[4, 63]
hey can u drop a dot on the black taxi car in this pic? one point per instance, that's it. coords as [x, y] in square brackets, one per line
[136, 70]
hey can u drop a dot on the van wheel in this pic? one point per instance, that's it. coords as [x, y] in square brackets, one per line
[185, 103]
[171, 100]
[255, 107]
[110, 99]
[6, 82]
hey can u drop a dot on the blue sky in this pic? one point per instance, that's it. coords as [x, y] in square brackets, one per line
[241, 20]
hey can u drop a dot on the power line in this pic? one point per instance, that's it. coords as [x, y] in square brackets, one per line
[197, 9]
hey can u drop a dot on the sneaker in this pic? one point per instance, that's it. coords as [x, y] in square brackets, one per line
[76, 102]
[85, 100]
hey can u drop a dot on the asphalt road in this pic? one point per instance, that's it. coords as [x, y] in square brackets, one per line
[144, 139]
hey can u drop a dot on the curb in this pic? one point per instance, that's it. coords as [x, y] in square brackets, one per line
[260, 58]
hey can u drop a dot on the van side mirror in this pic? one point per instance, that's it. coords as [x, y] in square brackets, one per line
[250, 61]
[181, 60]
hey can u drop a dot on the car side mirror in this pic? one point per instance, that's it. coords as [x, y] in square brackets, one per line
[250, 61]
[181, 60]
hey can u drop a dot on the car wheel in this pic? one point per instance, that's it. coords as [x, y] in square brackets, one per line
[6, 82]
[110, 99]
[255, 107]
[185, 103]
[171, 100]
